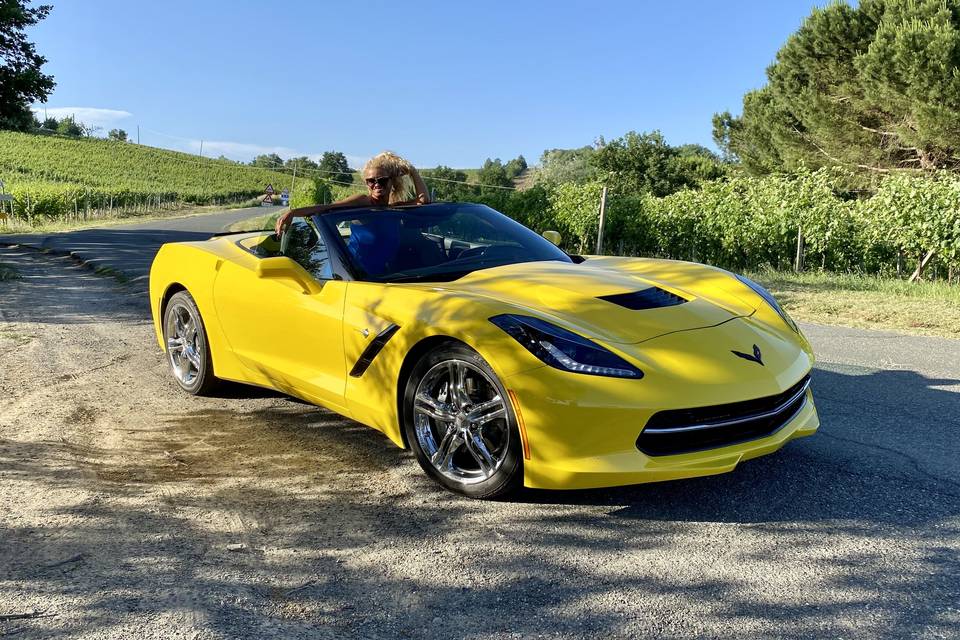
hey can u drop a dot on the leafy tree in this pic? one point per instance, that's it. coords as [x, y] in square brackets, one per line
[49, 123]
[515, 167]
[267, 161]
[117, 134]
[68, 126]
[447, 184]
[876, 87]
[335, 166]
[566, 165]
[302, 162]
[493, 173]
[21, 81]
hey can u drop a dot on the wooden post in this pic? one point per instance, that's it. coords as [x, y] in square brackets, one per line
[798, 263]
[293, 182]
[603, 210]
[923, 265]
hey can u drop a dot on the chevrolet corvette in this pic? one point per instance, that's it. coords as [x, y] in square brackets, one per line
[498, 358]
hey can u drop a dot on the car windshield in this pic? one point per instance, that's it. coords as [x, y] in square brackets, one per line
[437, 242]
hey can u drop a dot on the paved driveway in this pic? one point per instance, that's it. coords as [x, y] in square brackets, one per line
[129, 248]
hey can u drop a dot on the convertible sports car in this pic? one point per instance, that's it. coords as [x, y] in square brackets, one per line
[498, 358]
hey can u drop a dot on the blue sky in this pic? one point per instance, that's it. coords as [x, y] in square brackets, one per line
[438, 82]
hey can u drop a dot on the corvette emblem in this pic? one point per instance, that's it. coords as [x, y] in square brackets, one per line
[756, 357]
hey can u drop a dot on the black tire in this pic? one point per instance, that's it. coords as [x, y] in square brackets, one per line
[500, 437]
[187, 348]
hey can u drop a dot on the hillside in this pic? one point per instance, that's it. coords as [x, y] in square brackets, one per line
[59, 176]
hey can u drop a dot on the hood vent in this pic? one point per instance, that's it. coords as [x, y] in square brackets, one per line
[652, 298]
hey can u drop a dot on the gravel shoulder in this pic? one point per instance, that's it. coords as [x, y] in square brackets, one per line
[133, 510]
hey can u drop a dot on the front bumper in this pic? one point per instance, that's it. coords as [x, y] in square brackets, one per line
[582, 430]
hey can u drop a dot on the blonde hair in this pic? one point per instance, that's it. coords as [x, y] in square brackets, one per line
[390, 164]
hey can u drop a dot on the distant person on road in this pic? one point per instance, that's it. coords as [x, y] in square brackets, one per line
[384, 175]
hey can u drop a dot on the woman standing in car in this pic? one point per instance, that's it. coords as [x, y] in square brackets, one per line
[383, 175]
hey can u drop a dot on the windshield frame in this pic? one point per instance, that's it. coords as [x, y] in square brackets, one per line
[327, 222]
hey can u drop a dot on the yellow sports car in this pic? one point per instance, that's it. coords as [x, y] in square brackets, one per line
[498, 358]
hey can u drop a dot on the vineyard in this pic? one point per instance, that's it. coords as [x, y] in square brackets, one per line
[754, 223]
[53, 177]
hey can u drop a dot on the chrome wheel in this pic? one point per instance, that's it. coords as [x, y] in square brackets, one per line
[185, 348]
[461, 422]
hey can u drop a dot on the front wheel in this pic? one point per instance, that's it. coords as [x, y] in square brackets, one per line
[188, 352]
[459, 423]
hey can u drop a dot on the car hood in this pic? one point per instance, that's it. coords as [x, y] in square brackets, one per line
[571, 294]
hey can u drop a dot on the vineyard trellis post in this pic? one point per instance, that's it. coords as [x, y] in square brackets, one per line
[293, 181]
[798, 262]
[603, 210]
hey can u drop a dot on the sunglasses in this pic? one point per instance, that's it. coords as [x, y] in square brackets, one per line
[382, 181]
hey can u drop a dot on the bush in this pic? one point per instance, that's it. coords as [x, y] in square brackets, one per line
[308, 192]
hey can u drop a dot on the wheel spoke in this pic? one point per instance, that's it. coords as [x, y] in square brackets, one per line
[193, 357]
[487, 411]
[430, 407]
[457, 385]
[190, 329]
[449, 444]
[478, 449]
[174, 344]
[178, 324]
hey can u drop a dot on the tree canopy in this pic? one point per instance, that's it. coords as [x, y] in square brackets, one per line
[493, 173]
[447, 184]
[875, 87]
[300, 162]
[566, 165]
[334, 163]
[645, 163]
[267, 161]
[21, 81]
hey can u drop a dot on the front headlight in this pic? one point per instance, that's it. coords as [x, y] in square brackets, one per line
[766, 295]
[564, 349]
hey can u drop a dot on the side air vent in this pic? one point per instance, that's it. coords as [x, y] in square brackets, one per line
[652, 298]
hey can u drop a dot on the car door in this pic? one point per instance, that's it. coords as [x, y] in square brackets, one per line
[290, 337]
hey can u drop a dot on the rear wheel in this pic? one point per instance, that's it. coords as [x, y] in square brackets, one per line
[188, 352]
[459, 423]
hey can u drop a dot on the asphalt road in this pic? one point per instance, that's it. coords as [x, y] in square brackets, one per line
[129, 248]
[854, 532]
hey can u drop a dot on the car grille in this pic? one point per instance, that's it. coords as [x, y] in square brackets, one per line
[685, 430]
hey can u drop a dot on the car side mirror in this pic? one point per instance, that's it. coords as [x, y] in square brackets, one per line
[553, 236]
[283, 268]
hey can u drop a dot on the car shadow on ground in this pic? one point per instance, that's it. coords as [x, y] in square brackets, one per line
[304, 521]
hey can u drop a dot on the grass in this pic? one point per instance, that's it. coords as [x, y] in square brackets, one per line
[110, 272]
[8, 273]
[923, 308]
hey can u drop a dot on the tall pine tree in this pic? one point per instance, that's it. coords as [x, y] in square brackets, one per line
[874, 87]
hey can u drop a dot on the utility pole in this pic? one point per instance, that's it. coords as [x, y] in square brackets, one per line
[201, 148]
[293, 182]
[138, 134]
[603, 210]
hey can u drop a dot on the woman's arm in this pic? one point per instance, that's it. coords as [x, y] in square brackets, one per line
[284, 220]
[423, 195]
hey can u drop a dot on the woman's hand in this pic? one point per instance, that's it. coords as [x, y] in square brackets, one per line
[283, 221]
